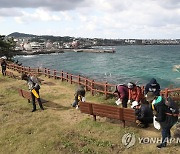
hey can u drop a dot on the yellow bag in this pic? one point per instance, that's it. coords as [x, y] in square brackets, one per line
[35, 93]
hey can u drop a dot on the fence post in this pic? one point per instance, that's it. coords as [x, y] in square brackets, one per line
[38, 70]
[45, 72]
[67, 76]
[22, 69]
[13, 67]
[166, 93]
[105, 90]
[92, 87]
[86, 87]
[48, 73]
[62, 76]
[79, 79]
[71, 78]
[55, 74]
[29, 69]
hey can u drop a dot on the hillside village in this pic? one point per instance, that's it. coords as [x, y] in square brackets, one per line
[29, 42]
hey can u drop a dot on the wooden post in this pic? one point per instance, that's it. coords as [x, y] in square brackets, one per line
[79, 79]
[124, 124]
[105, 90]
[71, 78]
[48, 73]
[166, 93]
[92, 87]
[86, 87]
[45, 72]
[55, 74]
[22, 69]
[62, 76]
[94, 117]
[67, 76]
[38, 71]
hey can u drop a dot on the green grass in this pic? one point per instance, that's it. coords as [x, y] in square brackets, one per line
[60, 128]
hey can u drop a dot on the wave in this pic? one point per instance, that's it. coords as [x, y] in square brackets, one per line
[176, 68]
[25, 56]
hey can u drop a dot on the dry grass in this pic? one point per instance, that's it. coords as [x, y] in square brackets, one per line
[61, 128]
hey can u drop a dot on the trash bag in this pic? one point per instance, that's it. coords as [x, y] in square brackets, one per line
[156, 123]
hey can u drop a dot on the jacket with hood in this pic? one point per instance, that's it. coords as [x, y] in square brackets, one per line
[122, 91]
[80, 92]
[144, 114]
[152, 86]
[135, 94]
[161, 110]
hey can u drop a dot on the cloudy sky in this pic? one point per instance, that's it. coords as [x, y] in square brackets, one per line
[152, 19]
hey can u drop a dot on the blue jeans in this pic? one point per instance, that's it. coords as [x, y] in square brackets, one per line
[75, 103]
[166, 134]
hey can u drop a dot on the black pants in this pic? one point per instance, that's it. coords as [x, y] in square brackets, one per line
[3, 71]
[38, 99]
[124, 102]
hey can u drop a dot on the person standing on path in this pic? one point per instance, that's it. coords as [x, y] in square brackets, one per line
[34, 87]
[3, 66]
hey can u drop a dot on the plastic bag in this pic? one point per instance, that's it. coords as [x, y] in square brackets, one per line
[118, 102]
[156, 123]
[83, 99]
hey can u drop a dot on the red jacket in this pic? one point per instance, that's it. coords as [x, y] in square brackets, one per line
[135, 94]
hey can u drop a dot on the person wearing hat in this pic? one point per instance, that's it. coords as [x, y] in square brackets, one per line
[152, 86]
[3, 66]
[143, 114]
[161, 111]
[135, 93]
[34, 87]
[122, 91]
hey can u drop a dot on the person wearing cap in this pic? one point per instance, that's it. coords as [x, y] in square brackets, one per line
[161, 110]
[135, 93]
[143, 114]
[34, 87]
[152, 86]
[79, 96]
[3, 67]
[122, 91]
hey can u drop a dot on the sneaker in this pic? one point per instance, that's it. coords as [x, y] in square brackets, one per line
[160, 146]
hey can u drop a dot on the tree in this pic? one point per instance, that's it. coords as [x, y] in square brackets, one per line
[7, 46]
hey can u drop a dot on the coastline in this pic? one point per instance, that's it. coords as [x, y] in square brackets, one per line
[36, 52]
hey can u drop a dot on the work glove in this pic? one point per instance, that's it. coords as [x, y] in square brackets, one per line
[129, 101]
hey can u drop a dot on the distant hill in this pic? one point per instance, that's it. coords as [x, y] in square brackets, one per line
[17, 34]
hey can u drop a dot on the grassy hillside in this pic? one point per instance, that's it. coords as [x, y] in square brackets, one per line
[61, 128]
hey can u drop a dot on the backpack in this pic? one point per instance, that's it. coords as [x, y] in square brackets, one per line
[172, 106]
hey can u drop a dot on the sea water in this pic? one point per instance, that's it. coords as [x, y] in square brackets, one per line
[129, 63]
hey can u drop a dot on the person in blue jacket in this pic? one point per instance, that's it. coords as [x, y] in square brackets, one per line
[152, 86]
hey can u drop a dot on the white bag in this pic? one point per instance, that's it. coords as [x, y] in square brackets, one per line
[156, 123]
[83, 99]
[118, 102]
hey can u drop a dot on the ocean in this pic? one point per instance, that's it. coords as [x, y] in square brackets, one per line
[129, 63]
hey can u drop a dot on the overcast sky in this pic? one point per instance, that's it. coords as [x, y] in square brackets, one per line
[144, 19]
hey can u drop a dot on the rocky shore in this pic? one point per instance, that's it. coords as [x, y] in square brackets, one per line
[36, 52]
